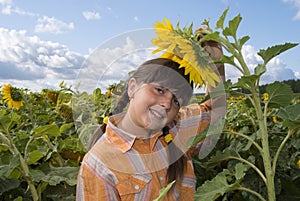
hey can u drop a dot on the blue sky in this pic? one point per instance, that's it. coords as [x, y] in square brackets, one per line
[45, 42]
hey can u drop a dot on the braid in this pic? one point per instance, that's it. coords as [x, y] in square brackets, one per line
[97, 134]
[122, 103]
[177, 166]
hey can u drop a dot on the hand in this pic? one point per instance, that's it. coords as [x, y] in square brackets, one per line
[213, 48]
[215, 51]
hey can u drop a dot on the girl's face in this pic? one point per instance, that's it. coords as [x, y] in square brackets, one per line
[152, 106]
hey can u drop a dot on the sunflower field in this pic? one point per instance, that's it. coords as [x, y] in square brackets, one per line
[43, 138]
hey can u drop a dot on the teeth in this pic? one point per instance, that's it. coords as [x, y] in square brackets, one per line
[156, 114]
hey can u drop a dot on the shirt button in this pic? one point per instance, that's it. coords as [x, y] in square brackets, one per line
[161, 178]
[136, 187]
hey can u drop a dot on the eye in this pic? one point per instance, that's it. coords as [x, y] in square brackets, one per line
[160, 90]
[176, 101]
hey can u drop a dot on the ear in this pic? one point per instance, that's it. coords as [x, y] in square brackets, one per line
[131, 87]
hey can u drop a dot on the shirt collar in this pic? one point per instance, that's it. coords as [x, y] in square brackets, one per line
[123, 139]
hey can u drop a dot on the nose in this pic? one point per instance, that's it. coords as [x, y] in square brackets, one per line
[166, 100]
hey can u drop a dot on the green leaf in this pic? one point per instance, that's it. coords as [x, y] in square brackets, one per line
[240, 170]
[216, 187]
[280, 94]
[260, 69]
[290, 116]
[34, 157]
[8, 184]
[7, 119]
[243, 40]
[233, 26]
[50, 130]
[220, 22]
[164, 191]
[65, 127]
[3, 147]
[36, 175]
[61, 174]
[222, 156]
[19, 198]
[6, 170]
[273, 51]
[228, 60]
[246, 82]
[214, 36]
[97, 92]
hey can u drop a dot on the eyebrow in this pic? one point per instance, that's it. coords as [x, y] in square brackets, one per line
[172, 90]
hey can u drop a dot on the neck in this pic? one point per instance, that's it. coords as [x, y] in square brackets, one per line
[128, 126]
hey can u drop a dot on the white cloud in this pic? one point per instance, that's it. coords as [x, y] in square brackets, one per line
[27, 59]
[29, 62]
[89, 15]
[115, 64]
[136, 19]
[295, 3]
[52, 25]
[44, 24]
[276, 68]
[5, 2]
[8, 8]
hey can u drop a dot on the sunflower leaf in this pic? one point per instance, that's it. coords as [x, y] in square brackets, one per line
[232, 27]
[50, 130]
[164, 191]
[260, 69]
[275, 50]
[290, 116]
[280, 94]
[220, 22]
[216, 187]
[243, 40]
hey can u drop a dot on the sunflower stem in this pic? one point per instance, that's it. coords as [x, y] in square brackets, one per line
[252, 166]
[253, 192]
[24, 167]
[290, 133]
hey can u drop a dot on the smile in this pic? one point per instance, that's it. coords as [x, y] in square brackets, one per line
[157, 114]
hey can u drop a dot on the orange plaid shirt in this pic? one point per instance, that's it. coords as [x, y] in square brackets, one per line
[122, 167]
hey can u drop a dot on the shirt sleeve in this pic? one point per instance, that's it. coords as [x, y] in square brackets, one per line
[193, 119]
[95, 182]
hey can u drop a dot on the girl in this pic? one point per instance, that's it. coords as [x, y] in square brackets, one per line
[142, 149]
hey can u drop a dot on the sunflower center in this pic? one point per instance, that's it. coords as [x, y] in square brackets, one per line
[15, 94]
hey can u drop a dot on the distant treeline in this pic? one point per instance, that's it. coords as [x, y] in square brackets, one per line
[294, 84]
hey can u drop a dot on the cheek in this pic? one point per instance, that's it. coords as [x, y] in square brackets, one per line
[172, 114]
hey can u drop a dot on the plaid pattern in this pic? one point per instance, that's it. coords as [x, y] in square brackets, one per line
[122, 167]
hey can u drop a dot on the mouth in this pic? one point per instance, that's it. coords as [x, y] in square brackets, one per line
[157, 114]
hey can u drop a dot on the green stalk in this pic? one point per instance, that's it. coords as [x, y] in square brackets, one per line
[265, 146]
[249, 139]
[251, 191]
[24, 167]
[57, 156]
[290, 133]
[251, 165]
[30, 183]
[237, 54]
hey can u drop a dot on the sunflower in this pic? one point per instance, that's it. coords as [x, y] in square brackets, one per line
[12, 96]
[275, 119]
[266, 96]
[182, 47]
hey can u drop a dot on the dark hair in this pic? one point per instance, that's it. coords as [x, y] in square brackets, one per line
[167, 73]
